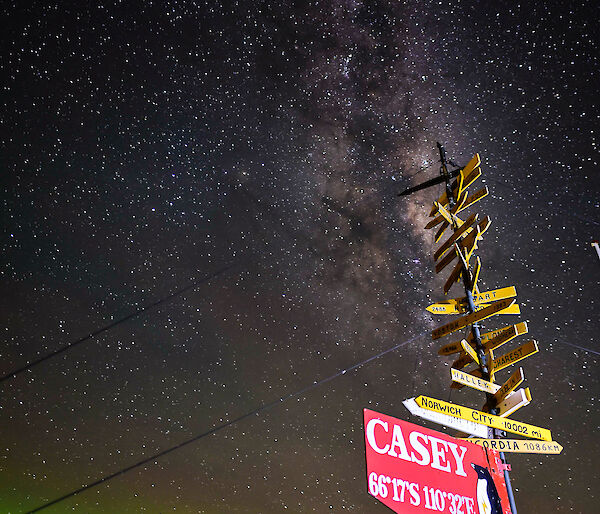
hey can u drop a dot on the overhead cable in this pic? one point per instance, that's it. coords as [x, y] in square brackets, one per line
[136, 313]
[213, 430]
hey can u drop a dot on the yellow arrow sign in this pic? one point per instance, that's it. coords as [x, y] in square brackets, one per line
[489, 359]
[459, 323]
[456, 273]
[440, 232]
[469, 350]
[462, 183]
[493, 295]
[475, 373]
[487, 337]
[474, 382]
[509, 425]
[514, 356]
[518, 445]
[446, 216]
[463, 266]
[509, 386]
[464, 229]
[468, 244]
[443, 308]
[515, 401]
[465, 357]
[475, 276]
[460, 305]
[482, 193]
[469, 179]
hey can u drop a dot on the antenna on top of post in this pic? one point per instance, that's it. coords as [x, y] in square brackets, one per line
[445, 175]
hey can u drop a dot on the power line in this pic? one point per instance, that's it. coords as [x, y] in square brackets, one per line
[140, 310]
[213, 430]
[580, 347]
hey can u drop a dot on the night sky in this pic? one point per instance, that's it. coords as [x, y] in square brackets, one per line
[251, 152]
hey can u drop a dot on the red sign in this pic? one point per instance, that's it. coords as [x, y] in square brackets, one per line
[412, 469]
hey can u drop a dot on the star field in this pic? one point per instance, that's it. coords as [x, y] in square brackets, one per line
[253, 152]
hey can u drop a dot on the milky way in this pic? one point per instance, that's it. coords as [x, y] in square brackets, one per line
[147, 146]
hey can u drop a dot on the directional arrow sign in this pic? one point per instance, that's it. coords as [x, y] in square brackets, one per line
[470, 351]
[518, 329]
[460, 305]
[474, 382]
[475, 276]
[482, 193]
[465, 358]
[441, 231]
[455, 274]
[459, 323]
[469, 179]
[489, 420]
[489, 358]
[463, 425]
[529, 348]
[447, 216]
[475, 373]
[493, 295]
[468, 243]
[464, 229]
[450, 308]
[514, 402]
[519, 445]
[510, 385]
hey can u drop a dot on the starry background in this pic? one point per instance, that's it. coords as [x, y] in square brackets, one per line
[252, 152]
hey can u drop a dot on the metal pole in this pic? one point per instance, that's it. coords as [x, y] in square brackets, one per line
[483, 364]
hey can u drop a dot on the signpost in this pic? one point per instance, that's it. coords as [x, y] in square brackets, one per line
[404, 461]
[412, 469]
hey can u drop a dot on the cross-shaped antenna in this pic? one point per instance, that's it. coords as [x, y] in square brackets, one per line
[445, 175]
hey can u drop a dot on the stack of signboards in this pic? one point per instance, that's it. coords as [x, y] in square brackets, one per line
[397, 451]
[504, 399]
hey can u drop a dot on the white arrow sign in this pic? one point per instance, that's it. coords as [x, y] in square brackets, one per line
[468, 427]
[515, 401]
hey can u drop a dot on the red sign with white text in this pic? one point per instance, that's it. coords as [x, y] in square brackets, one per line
[412, 469]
